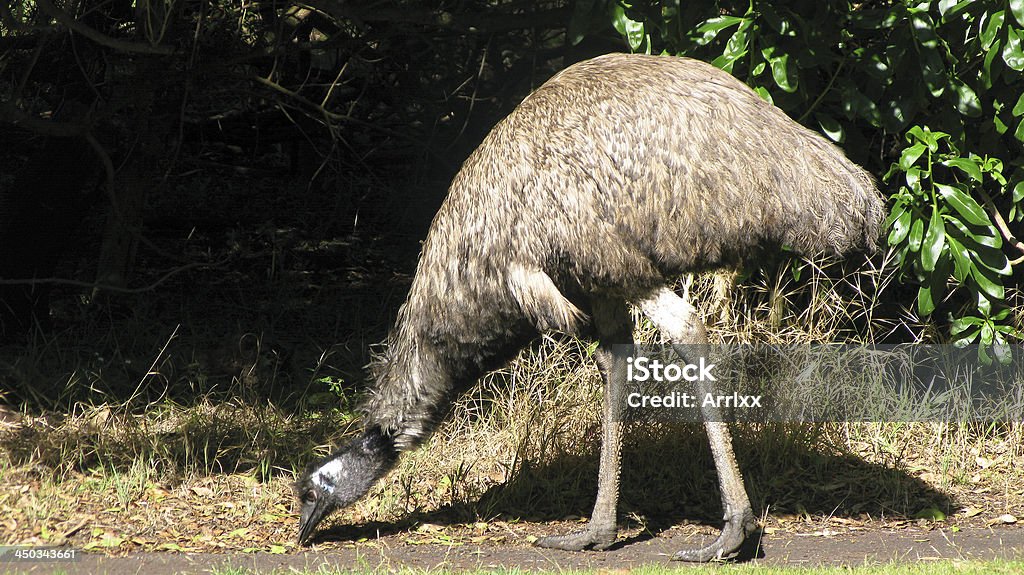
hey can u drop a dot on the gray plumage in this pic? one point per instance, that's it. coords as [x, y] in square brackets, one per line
[619, 172]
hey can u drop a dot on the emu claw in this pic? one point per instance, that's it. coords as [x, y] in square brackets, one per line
[579, 540]
[728, 544]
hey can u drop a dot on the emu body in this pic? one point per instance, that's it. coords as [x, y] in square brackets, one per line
[616, 174]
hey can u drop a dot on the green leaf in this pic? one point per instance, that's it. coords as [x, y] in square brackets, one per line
[875, 19]
[993, 260]
[986, 67]
[1019, 133]
[765, 94]
[949, 9]
[831, 127]
[1018, 192]
[1003, 352]
[1018, 108]
[934, 241]
[999, 125]
[965, 330]
[1017, 7]
[933, 71]
[961, 258]
[986, 334]
[968, 208]
[965, 338]
[916, 235]
[967, 102]
[973, 240]
[991, 30]
[778, 23]
[634, 34]
[914, 178]
[965, 165]
[910, 155]
[900, 228]
[924, 30]
[738, 41]
[991, 287]
[899, 207]
[785, 76]
[994, 167]
[1013, 55]
[926, 136]
[712, 27]
[931, 514]
[619, 18]
[925, 303]
[857, 104]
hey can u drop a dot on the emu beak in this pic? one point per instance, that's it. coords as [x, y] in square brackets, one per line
[311, 514]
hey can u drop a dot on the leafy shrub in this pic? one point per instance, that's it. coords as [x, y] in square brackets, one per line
[928, 93]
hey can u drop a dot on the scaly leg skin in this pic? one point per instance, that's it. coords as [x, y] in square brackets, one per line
[677, 321]
[739, 517]
[614, 326]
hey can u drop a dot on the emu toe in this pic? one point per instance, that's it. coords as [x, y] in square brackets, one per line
[728, 544]
[596, 539]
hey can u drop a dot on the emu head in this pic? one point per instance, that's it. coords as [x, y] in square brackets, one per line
[342, 478]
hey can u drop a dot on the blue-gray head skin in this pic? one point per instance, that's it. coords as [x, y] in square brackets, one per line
[340, 479]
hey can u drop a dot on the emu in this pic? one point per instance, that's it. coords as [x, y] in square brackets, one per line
[619, 172]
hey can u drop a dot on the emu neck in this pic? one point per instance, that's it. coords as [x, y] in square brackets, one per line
[454, 326]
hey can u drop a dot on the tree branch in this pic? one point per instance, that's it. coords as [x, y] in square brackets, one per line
[98, 37]
[13, 115]
[106, 287]
[1003, 228]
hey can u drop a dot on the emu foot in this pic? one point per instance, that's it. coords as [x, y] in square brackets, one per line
[729, 543]
[589, 537]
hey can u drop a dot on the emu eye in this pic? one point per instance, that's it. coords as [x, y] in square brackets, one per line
[309, 496]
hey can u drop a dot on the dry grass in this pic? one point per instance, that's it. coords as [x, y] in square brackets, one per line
[153, 472]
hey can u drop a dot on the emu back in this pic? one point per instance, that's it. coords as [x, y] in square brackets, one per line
[616, 174]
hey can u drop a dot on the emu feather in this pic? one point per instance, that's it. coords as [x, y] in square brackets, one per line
[619, 172]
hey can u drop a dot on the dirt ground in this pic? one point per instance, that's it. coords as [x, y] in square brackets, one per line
[838, 545]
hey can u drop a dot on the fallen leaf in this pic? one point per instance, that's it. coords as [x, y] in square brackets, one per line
[972, 511]
[1005, 519]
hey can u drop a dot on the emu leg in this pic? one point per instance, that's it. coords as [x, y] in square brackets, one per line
[678, 322]
[614, 327]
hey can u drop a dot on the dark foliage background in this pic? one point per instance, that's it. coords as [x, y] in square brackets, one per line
[244, 185]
